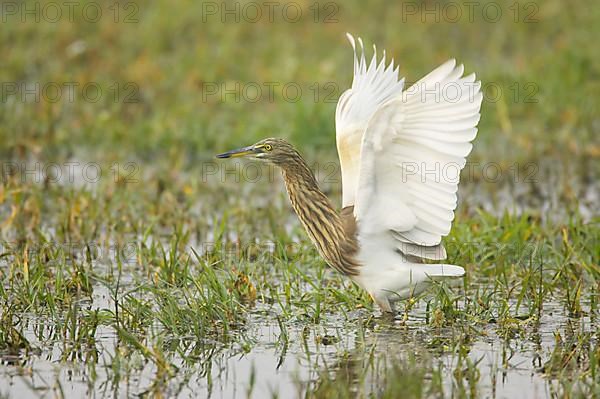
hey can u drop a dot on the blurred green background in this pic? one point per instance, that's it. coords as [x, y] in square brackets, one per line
[154, 62]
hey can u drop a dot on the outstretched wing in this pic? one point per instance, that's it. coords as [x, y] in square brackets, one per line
[371, 87]
[412, 152]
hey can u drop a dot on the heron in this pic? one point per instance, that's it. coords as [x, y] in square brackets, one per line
[395, 148]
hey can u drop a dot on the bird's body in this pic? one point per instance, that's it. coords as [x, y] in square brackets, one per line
[397, 148]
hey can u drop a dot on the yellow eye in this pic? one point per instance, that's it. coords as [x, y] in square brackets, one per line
[268, 147]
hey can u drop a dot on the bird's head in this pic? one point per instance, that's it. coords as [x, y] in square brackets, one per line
[272, 150]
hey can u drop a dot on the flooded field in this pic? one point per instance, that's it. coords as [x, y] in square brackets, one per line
[219, 318]
[357, 352]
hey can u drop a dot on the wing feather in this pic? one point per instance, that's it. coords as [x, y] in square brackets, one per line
[412, 151]
[372, 86]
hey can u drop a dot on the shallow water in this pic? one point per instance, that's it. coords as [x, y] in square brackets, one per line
[264, 361]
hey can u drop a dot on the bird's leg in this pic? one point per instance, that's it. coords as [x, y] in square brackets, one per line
[383, 302]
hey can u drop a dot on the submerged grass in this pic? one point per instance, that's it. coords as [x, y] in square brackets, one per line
[171, 274]
[168, 315]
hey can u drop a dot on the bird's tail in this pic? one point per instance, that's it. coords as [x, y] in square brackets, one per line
[442, 271]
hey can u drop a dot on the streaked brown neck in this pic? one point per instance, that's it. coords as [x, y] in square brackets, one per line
[331, 233]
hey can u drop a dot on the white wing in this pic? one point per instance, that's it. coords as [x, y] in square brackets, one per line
[412, 152]
[371, 87]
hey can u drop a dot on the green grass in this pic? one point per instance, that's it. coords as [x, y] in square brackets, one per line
[172, 273]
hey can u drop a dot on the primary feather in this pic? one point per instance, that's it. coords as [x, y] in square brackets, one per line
[371, 87]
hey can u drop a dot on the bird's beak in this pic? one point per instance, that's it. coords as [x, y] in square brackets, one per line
[240, 152]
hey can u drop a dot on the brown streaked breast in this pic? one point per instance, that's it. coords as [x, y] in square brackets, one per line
[349, 248]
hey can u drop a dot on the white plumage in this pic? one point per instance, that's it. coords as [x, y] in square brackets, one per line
[401, 152]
